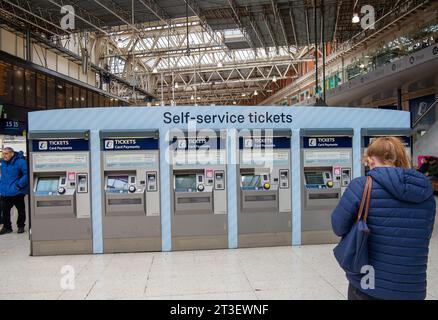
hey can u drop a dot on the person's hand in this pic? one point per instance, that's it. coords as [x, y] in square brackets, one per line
[426, 174]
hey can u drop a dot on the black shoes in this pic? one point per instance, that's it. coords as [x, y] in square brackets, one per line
[5, 231]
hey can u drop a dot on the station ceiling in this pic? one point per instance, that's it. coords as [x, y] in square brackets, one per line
[264, 23]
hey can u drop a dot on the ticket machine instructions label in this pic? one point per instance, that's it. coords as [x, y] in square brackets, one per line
[42, 161]
[211, 157]
[327, 142]
[327, 158]
[264, 156]
[129, 160]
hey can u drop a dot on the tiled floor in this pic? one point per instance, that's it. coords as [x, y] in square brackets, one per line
[308, 272]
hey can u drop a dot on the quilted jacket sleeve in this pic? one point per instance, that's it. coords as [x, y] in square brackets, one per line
[345, 213]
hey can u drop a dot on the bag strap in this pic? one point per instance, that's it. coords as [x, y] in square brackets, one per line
[370, 188]
[364, 199]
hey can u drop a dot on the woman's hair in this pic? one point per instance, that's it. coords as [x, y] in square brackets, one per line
[389, 150]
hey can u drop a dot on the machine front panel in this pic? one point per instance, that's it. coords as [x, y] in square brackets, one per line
[198, 181]
[327, 171]
[60, 195]
[264, 188]
[130, 173]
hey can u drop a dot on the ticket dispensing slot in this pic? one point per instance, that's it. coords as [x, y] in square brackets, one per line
[192, 194]
[123, 196]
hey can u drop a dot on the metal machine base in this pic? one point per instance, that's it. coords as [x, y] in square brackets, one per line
[132, 245]
[200, 242]
[265, 240]
[60, 247]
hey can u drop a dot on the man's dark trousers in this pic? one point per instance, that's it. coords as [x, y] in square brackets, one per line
[8, 203]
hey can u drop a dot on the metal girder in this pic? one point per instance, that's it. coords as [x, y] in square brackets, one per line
[292, 22]
[116, 11]
[41, 20]
[256, 30]
[238, 20]
[278, 18]
[194, 7]
[239, 65]
[307, 27]
[91, 20]
[153, 7]
[337, 19]
[270, 31]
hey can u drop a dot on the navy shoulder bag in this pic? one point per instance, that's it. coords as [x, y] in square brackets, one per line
[352, 251]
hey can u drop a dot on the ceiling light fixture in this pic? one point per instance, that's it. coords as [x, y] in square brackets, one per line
[356, 18]
[274, 79]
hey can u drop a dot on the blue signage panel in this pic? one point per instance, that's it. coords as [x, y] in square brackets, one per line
[12, 127]
[198, 143]
[327, 142]
[121, 144]
[406, 140]
[264, 142]
[56, 145]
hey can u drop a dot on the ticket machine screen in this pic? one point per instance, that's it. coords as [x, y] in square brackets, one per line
[251, 181]
[45, 185]
[117, 183]
[315, 178]
[185, 182]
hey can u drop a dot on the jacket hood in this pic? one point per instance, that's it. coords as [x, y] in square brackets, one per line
[404, 184]
[17, 155]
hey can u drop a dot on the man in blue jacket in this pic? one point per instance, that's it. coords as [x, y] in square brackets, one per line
[13, 188]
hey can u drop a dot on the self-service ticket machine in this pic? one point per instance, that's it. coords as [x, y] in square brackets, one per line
[199, 190]
[60, 193]
[326, 158]
[131, 197]
[369, 134]
[264, 189]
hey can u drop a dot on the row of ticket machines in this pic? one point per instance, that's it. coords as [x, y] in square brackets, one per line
[129, 197]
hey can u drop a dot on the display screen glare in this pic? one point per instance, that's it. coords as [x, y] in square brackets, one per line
[47, 185]
[251, 181]
[117, 183]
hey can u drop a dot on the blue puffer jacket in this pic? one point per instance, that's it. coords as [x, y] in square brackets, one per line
[14, 178]
[401, 220]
